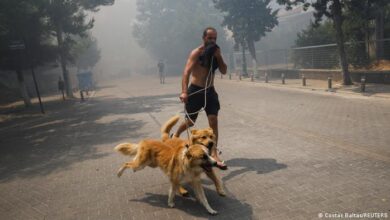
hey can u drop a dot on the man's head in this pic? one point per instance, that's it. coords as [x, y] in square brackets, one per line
[210, 35]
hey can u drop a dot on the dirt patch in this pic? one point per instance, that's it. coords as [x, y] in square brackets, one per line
[381, 65]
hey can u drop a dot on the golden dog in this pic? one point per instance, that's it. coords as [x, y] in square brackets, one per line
[182, 164]
[204, 137]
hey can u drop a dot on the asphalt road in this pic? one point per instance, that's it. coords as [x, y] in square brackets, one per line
[292, 154]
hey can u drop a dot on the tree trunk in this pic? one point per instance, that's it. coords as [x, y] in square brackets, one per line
[338, 21]
[379, 33]
[65, 73]
[244, 70]
[367, 40]
[252, 50]
[23, 88]
[367, 31]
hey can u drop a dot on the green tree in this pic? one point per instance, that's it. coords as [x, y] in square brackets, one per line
[170, 29]
[360, 15]
[315, 34]
[332, 9]
[244, 47]
[85, 53]
[24, 21]
[68, 18]
[249, 20]
[362, 20]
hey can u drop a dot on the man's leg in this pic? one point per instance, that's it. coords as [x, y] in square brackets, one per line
[63, 94]
[213, 122]
[183, 126]
[163, 81]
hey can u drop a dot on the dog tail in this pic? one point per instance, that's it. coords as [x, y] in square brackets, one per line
[127, 148]
[166, 128]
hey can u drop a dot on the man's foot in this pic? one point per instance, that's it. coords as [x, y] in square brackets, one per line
[221, 164]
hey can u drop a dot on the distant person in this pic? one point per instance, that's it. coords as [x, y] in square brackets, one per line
[61, 87]
[161, 73]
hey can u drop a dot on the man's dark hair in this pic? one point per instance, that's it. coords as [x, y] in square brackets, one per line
[206, 29]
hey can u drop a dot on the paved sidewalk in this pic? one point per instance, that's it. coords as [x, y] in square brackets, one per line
[372, 89]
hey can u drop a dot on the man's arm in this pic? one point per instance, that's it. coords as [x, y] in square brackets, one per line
[186, 75]
[221, 63]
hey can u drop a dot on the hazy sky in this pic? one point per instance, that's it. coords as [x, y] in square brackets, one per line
[114, 34]
[120, 52]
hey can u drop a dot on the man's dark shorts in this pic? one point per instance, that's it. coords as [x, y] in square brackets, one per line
[196, 101]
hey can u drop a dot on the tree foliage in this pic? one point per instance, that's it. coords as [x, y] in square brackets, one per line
[316, 35]
[85, 53]
[333, 9]
[23, 21]
[38, 24]
[170, 29]
[249, 20]
[359, 27]
[69, 18]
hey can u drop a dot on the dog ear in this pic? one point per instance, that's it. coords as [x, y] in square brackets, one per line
[211, 130]
[194, 131]
[193, 138]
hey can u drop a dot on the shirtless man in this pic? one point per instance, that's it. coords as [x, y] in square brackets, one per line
[198, 65]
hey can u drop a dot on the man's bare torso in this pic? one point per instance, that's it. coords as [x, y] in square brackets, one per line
[199, 73]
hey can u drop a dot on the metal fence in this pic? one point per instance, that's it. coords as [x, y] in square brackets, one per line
[359, 54]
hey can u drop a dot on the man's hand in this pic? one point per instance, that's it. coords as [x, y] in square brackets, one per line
[217, 53]
[210, 49]
[184, 97]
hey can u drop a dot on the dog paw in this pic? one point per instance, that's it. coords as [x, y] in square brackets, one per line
[221, 192]
[213, 212]
[183, 192]
[171, 204]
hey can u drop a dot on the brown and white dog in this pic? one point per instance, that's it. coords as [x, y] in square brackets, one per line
[182, 163]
